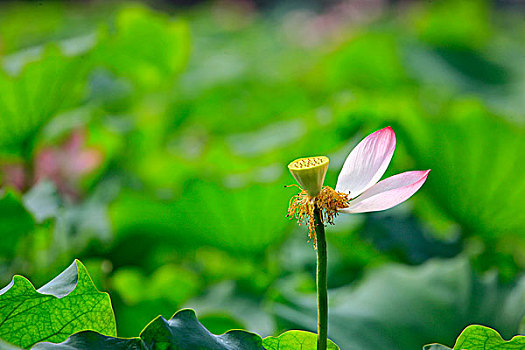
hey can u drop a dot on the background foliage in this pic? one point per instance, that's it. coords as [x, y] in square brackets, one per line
[152, 144]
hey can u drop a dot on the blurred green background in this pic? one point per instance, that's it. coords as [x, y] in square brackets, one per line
[151, 142]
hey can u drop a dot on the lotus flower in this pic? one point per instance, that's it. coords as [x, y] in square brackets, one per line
[66, 164]
[357, 189]
[363, 168]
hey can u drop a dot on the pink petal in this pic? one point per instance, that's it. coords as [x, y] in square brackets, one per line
[84, 162]
[75, 141]
[367, 162]
[388, 193]
[47, 164]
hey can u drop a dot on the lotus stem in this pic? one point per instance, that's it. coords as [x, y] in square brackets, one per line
[321, 279]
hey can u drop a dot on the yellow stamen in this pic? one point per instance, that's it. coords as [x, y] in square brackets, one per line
[328, 201]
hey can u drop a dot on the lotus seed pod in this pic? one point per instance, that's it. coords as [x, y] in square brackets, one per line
[310, 173]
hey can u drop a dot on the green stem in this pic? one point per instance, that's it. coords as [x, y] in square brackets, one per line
[322, 287]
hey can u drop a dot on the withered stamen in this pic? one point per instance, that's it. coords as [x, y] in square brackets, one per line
[328, 201]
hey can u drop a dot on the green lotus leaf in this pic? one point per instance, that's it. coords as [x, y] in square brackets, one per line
[435, 142]
[180, 222]
[15, 223]
[67, 304]
[476, 337]
[184, 332]
[398, 307]
[145, 46]
[495, 219]
[293, 340]
[92, 340]
[35, 87]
